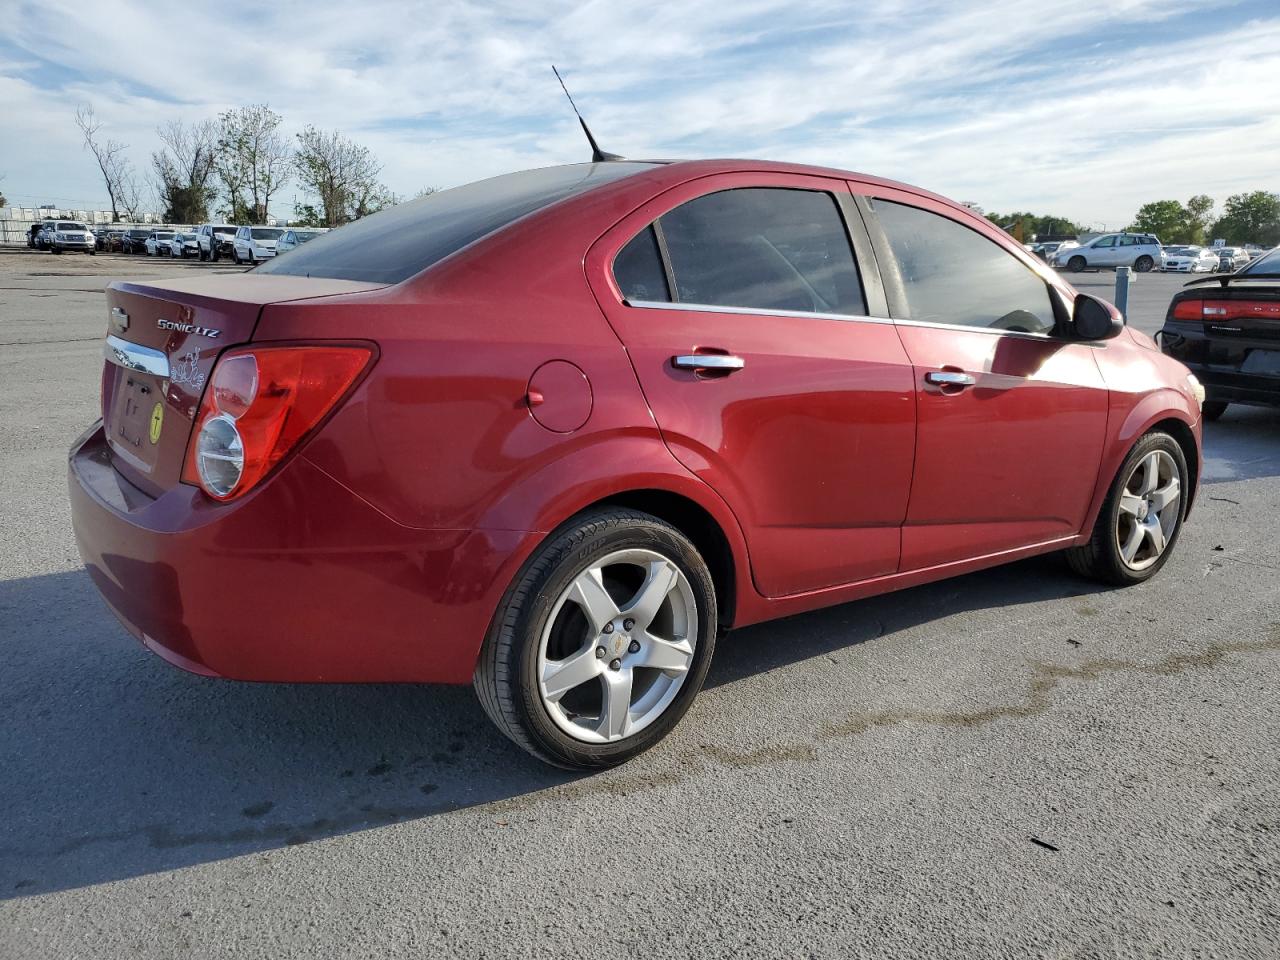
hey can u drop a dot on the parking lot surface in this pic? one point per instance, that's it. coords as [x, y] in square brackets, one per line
[1013, 763]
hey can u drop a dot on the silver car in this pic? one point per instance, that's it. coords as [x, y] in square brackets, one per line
[70, 235]
[1231, 259]
[1141, 251]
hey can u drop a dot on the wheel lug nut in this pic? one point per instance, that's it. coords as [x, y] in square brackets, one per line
[628, 624]
[608, 627]
[615, 665]
[635, 646]
[600, 653]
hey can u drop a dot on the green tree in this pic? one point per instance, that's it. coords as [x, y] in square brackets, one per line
[1167, 219]
[1033, 224]
[1198, 209]
[341, 174]
[184, 170]
[252, 160]
[1250, 218]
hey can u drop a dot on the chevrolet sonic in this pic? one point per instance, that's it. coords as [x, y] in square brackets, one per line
[556, 432]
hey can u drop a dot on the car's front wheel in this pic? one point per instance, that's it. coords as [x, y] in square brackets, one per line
[603, 641]
[1141, 518]
[1076, 264]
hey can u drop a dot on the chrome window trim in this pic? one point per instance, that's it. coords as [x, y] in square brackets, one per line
[938, 325]
[751, 311]
[133, 356]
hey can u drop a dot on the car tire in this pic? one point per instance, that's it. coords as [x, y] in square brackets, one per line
[619, 561]
[1143, 264]
[1213, 409]
[1076, 264]
[201, 256]
[235, 256]
[1154, 463]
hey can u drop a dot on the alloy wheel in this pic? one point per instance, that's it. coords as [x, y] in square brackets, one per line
[1149, 511]
[617, 646]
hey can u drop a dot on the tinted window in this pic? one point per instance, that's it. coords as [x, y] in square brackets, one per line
[397, 243]
[763, 248]
[266, 233]
[951, 274]
[638, 269]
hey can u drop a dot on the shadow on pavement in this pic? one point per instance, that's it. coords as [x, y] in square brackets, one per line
[117, 765]
[1243, 445]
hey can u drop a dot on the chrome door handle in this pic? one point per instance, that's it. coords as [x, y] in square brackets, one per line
[949, 378]
[709, 361]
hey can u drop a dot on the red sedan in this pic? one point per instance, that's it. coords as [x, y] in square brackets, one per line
[555, 432]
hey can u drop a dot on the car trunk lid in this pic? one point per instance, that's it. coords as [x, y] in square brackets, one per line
[163, 339]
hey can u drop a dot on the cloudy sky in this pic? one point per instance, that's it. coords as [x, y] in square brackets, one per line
[1082, 109]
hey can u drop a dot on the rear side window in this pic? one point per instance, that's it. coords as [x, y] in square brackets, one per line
[951, 274]
[393, 245]
[763, 248]
[638, 269]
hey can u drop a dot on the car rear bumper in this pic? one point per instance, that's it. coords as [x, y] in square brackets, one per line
[1223, 364]
[301, 580]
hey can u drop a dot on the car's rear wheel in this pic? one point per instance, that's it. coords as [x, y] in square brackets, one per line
[1076, 264]
[1141, 518]
[1143, 264]
[1213, 409]
[602, 643]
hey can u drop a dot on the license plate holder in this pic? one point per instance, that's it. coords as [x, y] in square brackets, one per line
[131, 409]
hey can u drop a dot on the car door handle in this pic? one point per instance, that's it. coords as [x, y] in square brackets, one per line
[949, 378]
[725, 362]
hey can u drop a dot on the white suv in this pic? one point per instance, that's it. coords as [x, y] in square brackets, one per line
[1141, 251]
[255, 244]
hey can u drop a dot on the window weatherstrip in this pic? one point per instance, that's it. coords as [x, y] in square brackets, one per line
[751, 311]
[672, 294]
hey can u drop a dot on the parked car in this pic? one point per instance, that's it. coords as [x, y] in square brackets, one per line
[216, 240]
[1190, 259]
[552, 433]
[1047, 249]
[1231, 259]
[111, 241]
[1141, 251]
[183, 245]
[255, 244]
[1227, 331]
[36, 235]
[134, 241]
[67, 235]
[295, 237]
[158, 242]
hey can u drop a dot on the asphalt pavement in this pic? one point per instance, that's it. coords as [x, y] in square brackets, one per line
[1014, 763]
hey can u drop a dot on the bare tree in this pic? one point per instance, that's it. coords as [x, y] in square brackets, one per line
[184, 169]
[117, 171]
[341, 174]
[253, 156]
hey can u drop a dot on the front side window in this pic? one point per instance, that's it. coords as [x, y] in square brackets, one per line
[763, 248]
[951, 274]
[1105, 242]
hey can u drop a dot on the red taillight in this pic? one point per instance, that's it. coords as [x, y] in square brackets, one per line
[261, 401]
[1218, 311]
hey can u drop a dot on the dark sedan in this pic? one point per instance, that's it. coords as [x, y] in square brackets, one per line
[1227, 330]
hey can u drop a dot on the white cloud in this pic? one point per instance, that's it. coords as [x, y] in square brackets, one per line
[1014, 105]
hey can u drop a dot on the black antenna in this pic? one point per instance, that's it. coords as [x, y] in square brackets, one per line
[597, 155]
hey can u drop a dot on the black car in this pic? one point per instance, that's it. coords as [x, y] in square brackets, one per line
[1227, 330]
[135, 241]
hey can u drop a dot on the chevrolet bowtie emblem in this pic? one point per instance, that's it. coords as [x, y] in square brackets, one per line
[119, 321]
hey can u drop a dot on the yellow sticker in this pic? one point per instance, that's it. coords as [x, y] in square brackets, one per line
[157, 421]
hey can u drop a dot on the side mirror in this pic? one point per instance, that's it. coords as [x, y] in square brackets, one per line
[1095, 319]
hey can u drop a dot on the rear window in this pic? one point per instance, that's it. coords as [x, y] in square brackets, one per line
[1267, 265]
[393, 245]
